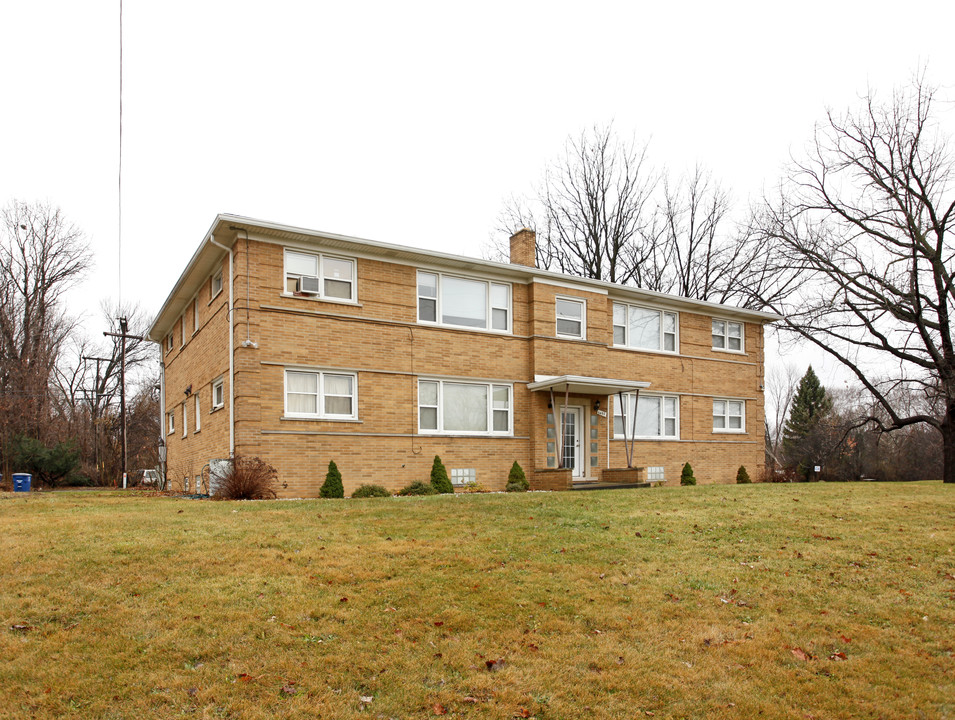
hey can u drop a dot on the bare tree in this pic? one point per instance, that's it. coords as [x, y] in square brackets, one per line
[593, 210]
[601, 212]
[87, 388]
[780, 387]
[860, 238]
[42, 255]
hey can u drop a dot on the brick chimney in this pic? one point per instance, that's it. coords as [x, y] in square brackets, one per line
[524, 248]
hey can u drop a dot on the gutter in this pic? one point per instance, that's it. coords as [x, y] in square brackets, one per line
[212, 240]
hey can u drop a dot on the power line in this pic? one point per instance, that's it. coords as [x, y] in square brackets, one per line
[119, 202]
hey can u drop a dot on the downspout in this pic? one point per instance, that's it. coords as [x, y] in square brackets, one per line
[212, 239]
[163, 421]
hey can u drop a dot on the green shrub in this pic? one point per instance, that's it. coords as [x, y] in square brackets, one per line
[439, 477]
[370, 491]
[332, 487]
[473, 486]
[742, 477]
[517, 480]
[51, 466]
[686, 477]
[418, 488]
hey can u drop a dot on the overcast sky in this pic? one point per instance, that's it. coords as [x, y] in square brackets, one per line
[408, 122]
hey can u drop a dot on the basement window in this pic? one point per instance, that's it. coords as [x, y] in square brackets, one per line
[655, 473]
[463, 476]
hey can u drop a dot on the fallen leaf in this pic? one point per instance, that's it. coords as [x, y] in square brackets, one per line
[439, 709]
[244, 677]
[21, 628]
[289, 689]
[344, 599]
[838, 656]
[523, 713]
[801, 654]
[439, 623]
[366, 699]
[845, 639]
[470, 699]
[494, 665]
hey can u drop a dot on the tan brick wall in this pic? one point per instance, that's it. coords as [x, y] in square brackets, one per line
[379, 339]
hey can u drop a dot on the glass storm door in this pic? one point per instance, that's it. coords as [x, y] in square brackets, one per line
[570, 420]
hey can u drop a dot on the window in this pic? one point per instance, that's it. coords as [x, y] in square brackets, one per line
[185, 483]
[463, 476]
[570, 318]
[657, 416]
[655, 472]
[464, 407]
[195, 315]
[644, 328]
[729, 416]
[321, 394]
[182, 330]
[185, 419]
[727, 335]
[198, 415]
[218, 394]
[327, 277]
[172, 422]
[215, 285]
[169, 342]
[462, 302]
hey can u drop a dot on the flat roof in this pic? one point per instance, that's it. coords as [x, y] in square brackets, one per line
[582, 385]
[225, 231]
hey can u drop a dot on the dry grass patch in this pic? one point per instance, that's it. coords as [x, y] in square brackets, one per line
[821, 601]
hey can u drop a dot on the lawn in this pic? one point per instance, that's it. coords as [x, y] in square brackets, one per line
[777, 601]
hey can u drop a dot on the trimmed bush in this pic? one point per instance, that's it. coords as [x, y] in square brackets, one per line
[248, 478]
[742, 477]
[418, 488]
[370, 491]
[517, 480]
[439, 477]
[332, 487]
[686, 477]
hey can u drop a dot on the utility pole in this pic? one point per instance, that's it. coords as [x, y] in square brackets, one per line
[123, 335]
[93, 399]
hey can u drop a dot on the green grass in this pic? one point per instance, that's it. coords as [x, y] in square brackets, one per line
[777, 601]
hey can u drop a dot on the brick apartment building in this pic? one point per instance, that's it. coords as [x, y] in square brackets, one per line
[301, 347]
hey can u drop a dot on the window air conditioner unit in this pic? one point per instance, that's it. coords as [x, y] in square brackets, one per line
[308, 285]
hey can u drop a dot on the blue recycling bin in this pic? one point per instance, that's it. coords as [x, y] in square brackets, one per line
[21, 482]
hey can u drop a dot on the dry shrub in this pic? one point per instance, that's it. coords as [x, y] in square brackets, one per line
[249, 478]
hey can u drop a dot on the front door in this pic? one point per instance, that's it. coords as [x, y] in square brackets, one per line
[571, 420]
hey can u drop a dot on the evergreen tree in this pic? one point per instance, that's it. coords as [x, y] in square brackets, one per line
[801, 435]
[686, 475]
[742, 477]
[439, 477]
[517, 480]
[332, 487]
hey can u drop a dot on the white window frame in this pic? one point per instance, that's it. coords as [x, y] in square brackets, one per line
[185, 418]
[320, 267]
[727, 415]
[490, 408]
[726, 337]
[661, 420]
[172, 422]
[662, 339]
[170, 341]
[214, 281]
[582, 319]
[182, 330]
[198, 414]
[218, 383]
[656, 473]
[489, 308]
[321, 414]
[195, 315]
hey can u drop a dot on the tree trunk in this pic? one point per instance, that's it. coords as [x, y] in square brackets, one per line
[948, 445]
